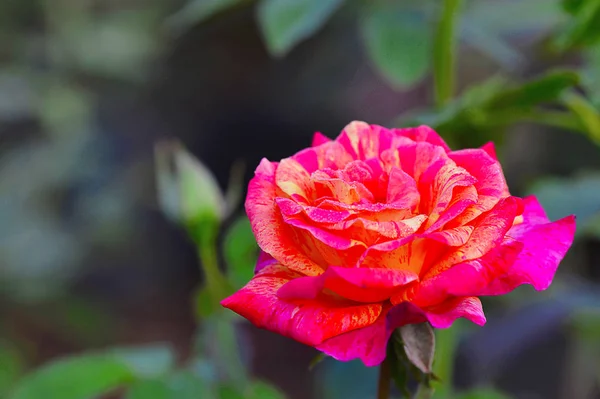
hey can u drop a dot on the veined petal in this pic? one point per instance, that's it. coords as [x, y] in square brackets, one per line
[319, 138]
[271, 232]
[308, 321]
[443, 315]
[369, 343]
[423, 134]
[353, 283]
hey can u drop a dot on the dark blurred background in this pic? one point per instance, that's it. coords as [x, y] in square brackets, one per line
[87, 259]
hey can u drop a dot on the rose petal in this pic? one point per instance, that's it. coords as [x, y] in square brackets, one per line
[442, 316]
[490, 148]
[264, 260]
[356, 284]
[423, 134]
[308, 321]
[544, 246]
[369, 343]
[319, 138]
[271, 232]
[491, 184]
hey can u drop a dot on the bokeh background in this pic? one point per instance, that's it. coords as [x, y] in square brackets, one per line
[88, 260]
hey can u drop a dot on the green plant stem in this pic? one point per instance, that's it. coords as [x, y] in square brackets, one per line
[446, 340]
[216, 282]
[385, 379]
[444, 52]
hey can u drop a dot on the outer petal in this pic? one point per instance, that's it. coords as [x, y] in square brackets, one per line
[490, 148]
[271, 232]
[319, 138]
[264, 260]
[544, 246]
[369, 344]
[423, 133]
[471, 278]
[308, 321]
[357, 284]
[442, 316]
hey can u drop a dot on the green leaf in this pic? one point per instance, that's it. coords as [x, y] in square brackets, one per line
[584, 28]
[572, 6]
[578, 195]
[261, 390]
[81, 377]
[419, 345]
[543, 89]
[11, 366]
[207, 303]
[197, 11]
[181, 385]
[591, 74]
[483, 393]
[91, 375]
[240, 251]
[146, 361]
[285, 23]
[398, 42]
[586, 112]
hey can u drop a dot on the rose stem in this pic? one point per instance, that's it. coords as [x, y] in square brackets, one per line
[385, 378]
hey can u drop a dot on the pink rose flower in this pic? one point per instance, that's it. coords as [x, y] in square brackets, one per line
[384, 227]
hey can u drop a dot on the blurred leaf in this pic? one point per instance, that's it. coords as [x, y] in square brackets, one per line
[230, 392]
[240, 251]
[584, 27]
[181, 385]
[146, 361]
[545, 88]
[149, 389]
[587, 113]
[398, 42]
[586, 322]
[11, 367]
[207, 303]
[93, 374]
[419, 345]
[495, 104]
[80, 377]
[65, 109]
[591, 74]
[579, 195]
[514, 16]
[285, 23]
[117, 45]
[482, 393]
[572, 6]
[261, 390]
[197, 11]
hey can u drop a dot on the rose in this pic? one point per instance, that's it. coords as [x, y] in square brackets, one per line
[386, 227]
